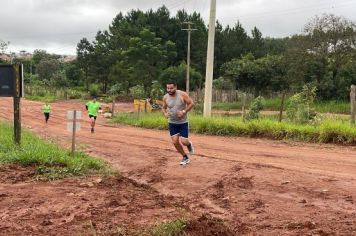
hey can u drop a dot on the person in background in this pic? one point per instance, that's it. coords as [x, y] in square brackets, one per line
[46, 108]
[93, 107]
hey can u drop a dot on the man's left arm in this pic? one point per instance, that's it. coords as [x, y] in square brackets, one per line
[189, 102]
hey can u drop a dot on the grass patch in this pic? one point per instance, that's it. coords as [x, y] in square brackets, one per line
[333, 107]
[275, 103]
[48, 98]
[170, 228]
[328, 131]
[271, 104]
[51, 162]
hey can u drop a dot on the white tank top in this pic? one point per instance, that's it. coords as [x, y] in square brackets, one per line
[174, 104]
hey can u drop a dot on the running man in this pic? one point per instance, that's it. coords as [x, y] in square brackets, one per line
[46, 108]
[176, 105]
[92, 107]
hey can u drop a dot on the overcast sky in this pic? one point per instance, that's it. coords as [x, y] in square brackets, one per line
[58, 25]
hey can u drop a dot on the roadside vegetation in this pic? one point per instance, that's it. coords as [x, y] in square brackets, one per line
[273, 104]
[327, 131]
[50, 161]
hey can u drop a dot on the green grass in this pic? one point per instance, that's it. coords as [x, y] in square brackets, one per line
[50, 161]
[333, 107]
[328, 131]
[170, 228]
[274, 105]
[48, 98]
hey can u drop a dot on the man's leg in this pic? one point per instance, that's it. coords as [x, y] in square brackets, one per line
[177, 145]
[92, 123]
[184, 131]
[174, 132]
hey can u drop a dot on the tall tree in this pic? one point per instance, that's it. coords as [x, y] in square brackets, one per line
[147, 57]
[84, 51]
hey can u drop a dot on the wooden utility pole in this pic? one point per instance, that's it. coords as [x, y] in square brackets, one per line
[189, 30]
[210, 61]
[353, 108]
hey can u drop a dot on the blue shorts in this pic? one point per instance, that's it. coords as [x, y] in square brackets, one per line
[179, 129]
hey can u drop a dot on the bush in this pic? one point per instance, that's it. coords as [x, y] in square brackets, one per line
[300, 107]
[255, 108]
[94, 90]
[137, 91]
[51, 162]
[74, 94]
[327, 132]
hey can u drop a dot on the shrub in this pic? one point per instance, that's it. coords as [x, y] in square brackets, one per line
[300, 107]
[255, 108]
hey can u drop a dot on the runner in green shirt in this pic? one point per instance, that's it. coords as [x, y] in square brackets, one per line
[92, 108]
[46, 108]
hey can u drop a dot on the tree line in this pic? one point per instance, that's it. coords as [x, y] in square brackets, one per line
[140, 51]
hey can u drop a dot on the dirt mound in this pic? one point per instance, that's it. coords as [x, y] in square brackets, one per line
[207, 225]
[97, 205]
[12, 174]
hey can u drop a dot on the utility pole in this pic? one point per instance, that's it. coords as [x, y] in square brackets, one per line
[210, 61]
[189, 30]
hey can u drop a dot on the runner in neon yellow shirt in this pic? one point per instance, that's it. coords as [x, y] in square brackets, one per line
[92, 108]
[46, 108]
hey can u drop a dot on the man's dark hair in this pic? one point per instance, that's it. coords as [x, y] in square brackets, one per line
[172, 82]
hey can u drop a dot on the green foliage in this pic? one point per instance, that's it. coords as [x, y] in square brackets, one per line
[300, 108]
[138, 91]
[275, 103]
[324, 55]
[3, 46]
[169, 228]
[75, 94]
[256, 106]
[137, 47]
[178, 74]
[116, 90]
[223, 84]
[94, 90]
[43, 98]
[50, 161]
[259, 74]
[328, 131]
[157, 90]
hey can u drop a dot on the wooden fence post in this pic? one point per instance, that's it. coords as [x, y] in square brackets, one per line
[243, 106]
[352, 99]
[282, 106]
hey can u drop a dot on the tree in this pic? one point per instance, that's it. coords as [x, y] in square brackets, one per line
[47, 68]
[258, 74]
[147, 57]
[178, 74]
[328, 44]
[257, 43]
[84, 50]
[3, 46]
[73, 73]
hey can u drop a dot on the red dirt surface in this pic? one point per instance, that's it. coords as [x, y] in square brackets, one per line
[246, 186]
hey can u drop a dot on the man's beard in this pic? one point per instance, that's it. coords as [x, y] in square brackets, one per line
[172, 93]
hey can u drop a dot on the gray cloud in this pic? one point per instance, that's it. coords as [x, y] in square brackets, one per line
[58, 25]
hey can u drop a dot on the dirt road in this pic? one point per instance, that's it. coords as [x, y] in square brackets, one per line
[257, 186]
